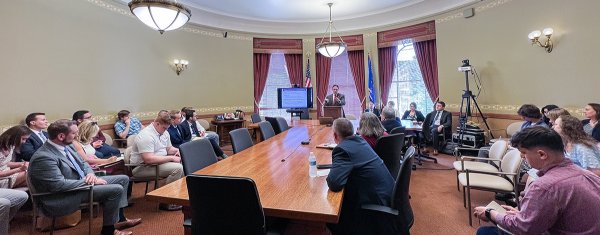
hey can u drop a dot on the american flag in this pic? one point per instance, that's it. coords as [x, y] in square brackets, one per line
[307, 83]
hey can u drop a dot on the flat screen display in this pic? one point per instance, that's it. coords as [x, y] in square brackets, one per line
[290, 98]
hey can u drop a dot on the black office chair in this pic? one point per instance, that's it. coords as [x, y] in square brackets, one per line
[389, 149]
[266, 130]
[274, 124]
[225, 205]
[256, 118]
[282, 123]
[398, 130]
[240, 139]
[196, 155]
[400, 210]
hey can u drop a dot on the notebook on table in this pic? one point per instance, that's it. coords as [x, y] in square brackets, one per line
[327, 145]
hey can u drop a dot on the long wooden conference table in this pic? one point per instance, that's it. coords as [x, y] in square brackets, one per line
[279, 166]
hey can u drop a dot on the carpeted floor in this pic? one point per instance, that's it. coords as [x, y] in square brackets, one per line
[437, 205]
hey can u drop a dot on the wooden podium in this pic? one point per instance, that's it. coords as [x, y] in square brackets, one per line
[334, 112]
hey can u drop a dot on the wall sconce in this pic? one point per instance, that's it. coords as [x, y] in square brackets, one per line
[535, 35]
[180, 65]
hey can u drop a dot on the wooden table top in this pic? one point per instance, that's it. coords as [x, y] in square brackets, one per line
[279, 166]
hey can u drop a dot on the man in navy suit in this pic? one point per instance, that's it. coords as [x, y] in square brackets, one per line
[358, 169]
[189, 130]
[174, 130]
[437, 122]
[37, 123]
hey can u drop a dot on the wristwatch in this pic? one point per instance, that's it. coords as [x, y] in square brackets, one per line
[488, 215]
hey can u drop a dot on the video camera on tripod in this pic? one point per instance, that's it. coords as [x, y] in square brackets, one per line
[465, 66]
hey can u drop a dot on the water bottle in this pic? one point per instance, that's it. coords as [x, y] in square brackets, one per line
[312, 165]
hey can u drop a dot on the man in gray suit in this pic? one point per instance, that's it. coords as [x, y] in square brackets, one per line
[55, 167]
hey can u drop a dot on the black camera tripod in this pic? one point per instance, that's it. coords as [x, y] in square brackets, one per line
[465, 111]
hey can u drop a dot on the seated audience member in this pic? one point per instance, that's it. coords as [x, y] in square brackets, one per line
[545, 111]
[563, 200]
[389, 119]
[437, 122]
[373, 109]
[391, 104]
[37, 123]
[127, 126]
[175, 130]
[552, 115]
[370, 128]
[11, 141]
[357, 168]
[592, 113]
[579, 147]
[190, 129]
[413, 114]
[103, 150]
[11, 201]
[531, 115]
[208, 134]
[55, 167]
[153, 146]
[83, 144]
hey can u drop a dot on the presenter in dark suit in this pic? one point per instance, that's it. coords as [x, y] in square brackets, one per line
[358, 169]
[37, 123]
[336, 99]
[55, 167]
[436, 122]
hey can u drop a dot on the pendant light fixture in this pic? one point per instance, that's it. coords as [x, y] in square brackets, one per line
[161, 15]
[330, 48]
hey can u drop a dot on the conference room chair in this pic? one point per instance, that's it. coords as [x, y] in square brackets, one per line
[389, 149]
[225, 205]
[508, 132]
[266, 130]
[256, 118]
[129, 168]
[204, 124]
[398, 130]
[496, 153]
[282, 124]
[37, 206]
[240, 140]
[503, 181]
[274, 124]
[397, 218]
[196, 155]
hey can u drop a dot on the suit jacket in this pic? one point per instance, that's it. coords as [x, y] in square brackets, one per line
[175, 133]
[30, 146]
[390, 124]
[445, 120]
[50, 171]
[358, 169]
[375, 111]
[330, 102]
[186, 134]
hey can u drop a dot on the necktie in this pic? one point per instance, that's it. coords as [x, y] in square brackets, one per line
[79, 171]
[435, 119]
[42, 137]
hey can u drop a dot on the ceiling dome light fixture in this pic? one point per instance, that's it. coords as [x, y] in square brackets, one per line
[161, 15]
[331, 48]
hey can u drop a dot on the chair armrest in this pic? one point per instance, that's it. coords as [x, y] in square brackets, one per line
[107, 165]
[80, 188]
[490, 173]
[379, 208]
[480, 158]
[462, 148]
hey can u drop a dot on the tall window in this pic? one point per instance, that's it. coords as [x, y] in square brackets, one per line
[407, 83]
[277, 78]
[341, 75]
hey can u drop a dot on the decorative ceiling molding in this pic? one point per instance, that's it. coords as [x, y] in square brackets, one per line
[478, 9]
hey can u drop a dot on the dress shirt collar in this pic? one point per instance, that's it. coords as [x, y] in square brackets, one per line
[60, 148]
[564, 162]
[36, 132]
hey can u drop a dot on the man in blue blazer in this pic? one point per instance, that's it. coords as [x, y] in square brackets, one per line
[175, 131]
[358, 169]
[55, 167]
[37, 123]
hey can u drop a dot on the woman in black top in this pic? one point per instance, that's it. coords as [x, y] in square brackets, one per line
[413, 114]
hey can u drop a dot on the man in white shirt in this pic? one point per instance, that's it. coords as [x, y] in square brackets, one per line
[153, 147]
[37, 123]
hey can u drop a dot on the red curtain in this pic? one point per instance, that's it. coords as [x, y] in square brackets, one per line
[323, 70]
[387, 64]
[294, 68]
[427, 58]
[356, 60]
[261, 71]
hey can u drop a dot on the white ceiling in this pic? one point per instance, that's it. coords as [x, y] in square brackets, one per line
[310, 16]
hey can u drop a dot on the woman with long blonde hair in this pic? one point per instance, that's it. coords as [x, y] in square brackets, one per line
[83, 143]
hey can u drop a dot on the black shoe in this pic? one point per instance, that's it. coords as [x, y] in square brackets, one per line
[511, 202]
[169, 207]
[504, 196]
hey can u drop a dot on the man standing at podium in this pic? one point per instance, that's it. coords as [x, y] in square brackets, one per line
[335, 99]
